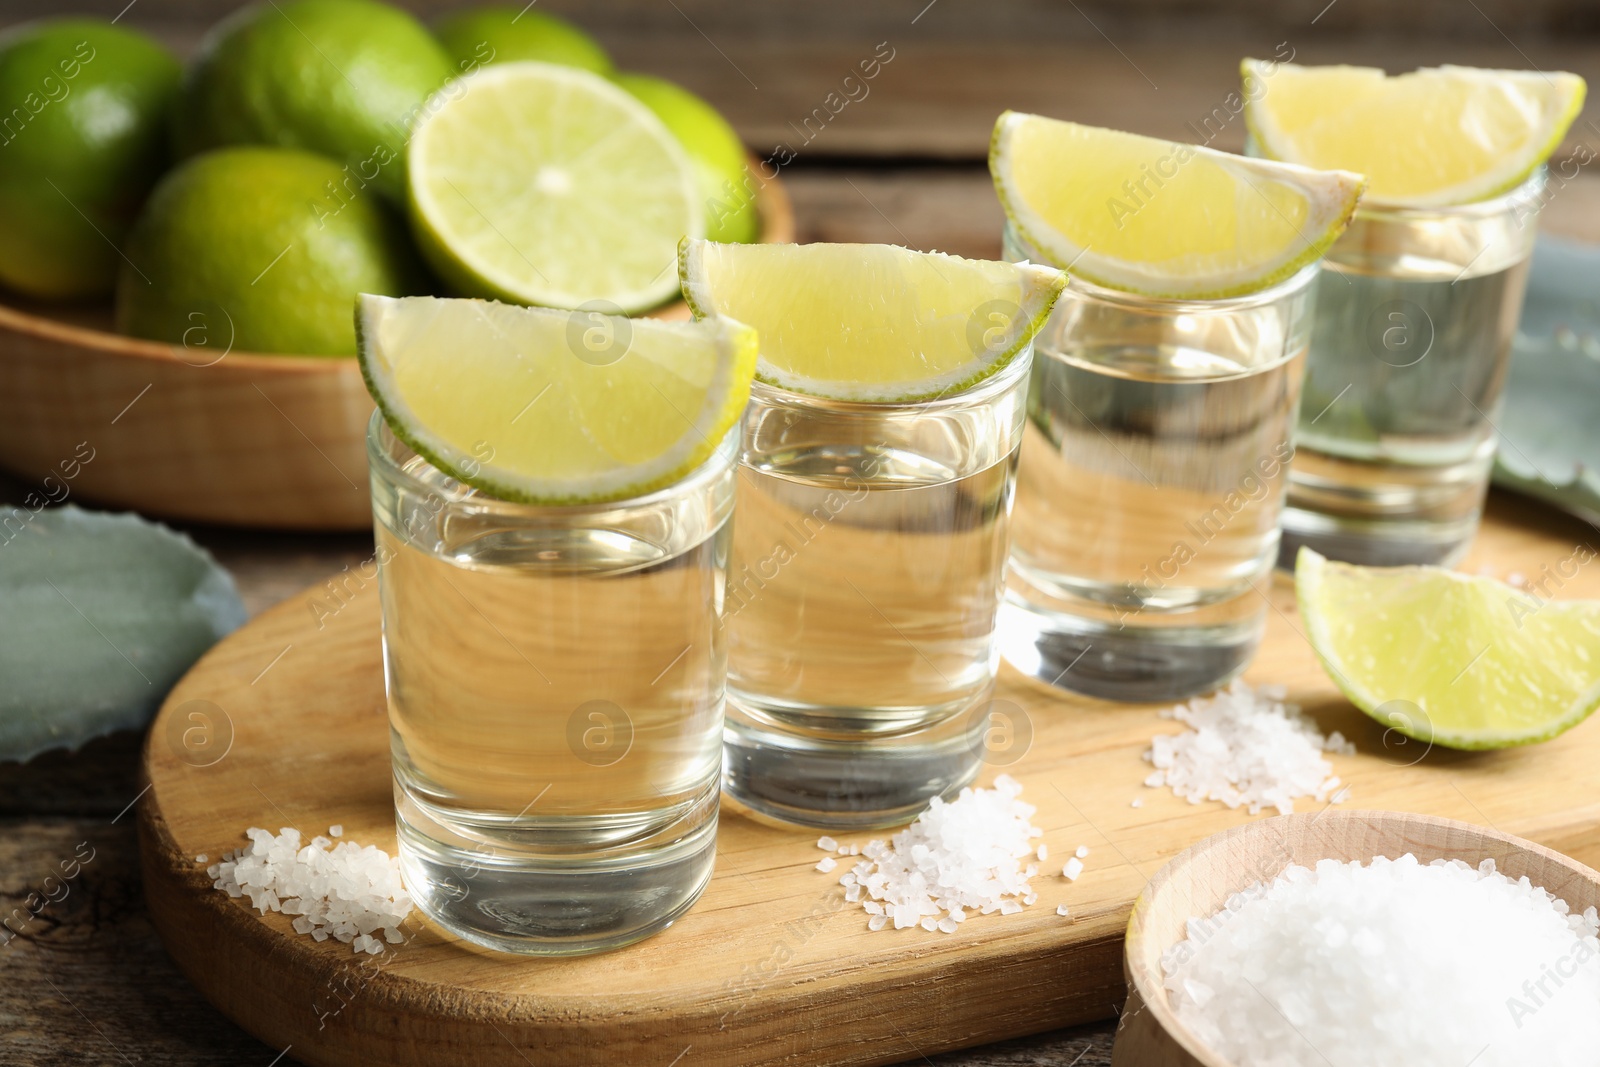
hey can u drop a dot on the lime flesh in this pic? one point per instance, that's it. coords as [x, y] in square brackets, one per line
[1160, 218]
[873, 323]
[542, 184]
[1448, 135]
[553, 407]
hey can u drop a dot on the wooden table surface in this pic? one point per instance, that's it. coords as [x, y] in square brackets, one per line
[86, 981]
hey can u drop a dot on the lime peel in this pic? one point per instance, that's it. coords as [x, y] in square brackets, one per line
[1474, 663]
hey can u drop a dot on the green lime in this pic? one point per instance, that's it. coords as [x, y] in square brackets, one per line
[280, 276]
[625, 406]
[83, 142]
[344, 78]
[1448, 658]
[550, 185]
[716, 151]
[505, 33]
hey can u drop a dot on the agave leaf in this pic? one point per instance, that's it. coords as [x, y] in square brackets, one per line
[1549, 435]
[99, 616]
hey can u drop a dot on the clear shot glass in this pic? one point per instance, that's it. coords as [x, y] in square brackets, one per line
[555, 681]
[868, 567]
[1153, 470]
[1410, 344]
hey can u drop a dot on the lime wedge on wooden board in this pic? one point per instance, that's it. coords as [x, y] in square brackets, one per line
[1448, 658]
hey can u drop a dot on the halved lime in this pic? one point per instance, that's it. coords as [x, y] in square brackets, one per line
[1161, 218]
[553, 407]
[871, 322]
[1446, 135]
[544, 184]
[1447, 658]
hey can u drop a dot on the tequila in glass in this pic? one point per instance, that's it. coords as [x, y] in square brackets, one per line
[555, 683]
[1416, 309]
[868, 566]
[1152, 476]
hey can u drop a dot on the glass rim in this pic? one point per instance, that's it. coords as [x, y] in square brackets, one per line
[984, 389]
[1184, 305]
[1500, 204]
[383, 445]
[1176, 304]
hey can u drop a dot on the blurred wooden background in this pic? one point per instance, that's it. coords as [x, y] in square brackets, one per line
[901, 159]
[901, 162]
[1152, 66]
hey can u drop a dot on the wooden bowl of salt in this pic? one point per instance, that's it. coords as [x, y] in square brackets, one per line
[1198, 882]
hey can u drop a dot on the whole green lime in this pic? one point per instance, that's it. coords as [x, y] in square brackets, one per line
[345, 78]
[716, 151]
[251, 249]
[82, 143]
[502, 33]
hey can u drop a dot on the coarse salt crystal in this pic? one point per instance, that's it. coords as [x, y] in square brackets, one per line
[1061, 909]
[346, 892]
[827, 844]
[1395, 961]
[201, 858]
[970, 854]
[336, 830]
[1138, 802]
[826, 864]
[1073, 868]
[1082, 852]
[1246, 748]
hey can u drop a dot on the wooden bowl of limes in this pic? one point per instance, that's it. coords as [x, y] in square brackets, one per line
[197, 431]
[236, 242]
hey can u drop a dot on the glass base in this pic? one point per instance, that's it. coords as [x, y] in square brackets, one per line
[857, 783]
[1128, 663]
[1374, 542]
[495, 890]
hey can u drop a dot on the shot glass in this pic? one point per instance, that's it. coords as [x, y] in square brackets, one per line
[1410, 345]
[555, 680]
[1152, 477]
[868, 567]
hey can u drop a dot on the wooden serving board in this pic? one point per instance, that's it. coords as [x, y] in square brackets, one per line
[283, 724]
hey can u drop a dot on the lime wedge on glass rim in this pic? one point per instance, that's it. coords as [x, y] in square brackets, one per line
[1448, 658]
[543, 184]
[871, 323]
[553, 407]
[1433, 137]
[1161, 218]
